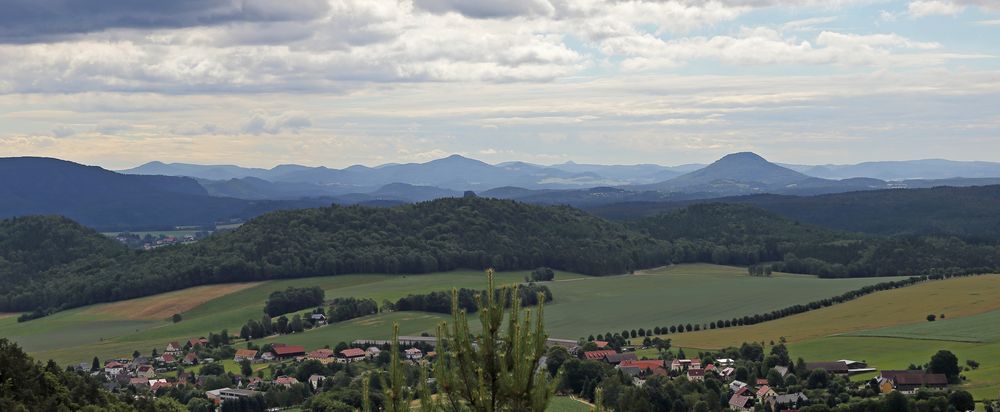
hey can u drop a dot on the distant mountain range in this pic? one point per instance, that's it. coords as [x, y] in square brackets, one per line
[163, 195]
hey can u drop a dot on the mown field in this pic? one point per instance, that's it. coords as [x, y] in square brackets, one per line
[583, 306]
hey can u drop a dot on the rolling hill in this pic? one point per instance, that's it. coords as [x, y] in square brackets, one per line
[111, 201]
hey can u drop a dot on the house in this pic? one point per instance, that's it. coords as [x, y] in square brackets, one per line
[735, 386]
[195, 342]
[139, 383]
[694, 374]
[616, 358]
[601, 344]
[834, 368]
[288, 351]
[286, 381]
[709, 368]
[315, 381]
[320, 354]
[642, 367]
[267, 356]
[318, 318]
[679, 365]
[245, 354]
[173, 348]
[167, 358]
[782, 370]
[351, 355]
[190, 359]
[765, 392]
[156, 385]
[235, 394]
[373, 352]
[413, 354]
[724, 362]
[741, 403]
[114, 368]
[728, 372]
[761, 381]
[787, 401]
[145, 371]
[909, 381]
[597, 354]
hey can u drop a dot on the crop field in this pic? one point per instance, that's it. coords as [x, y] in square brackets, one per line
[699, 293]
[910, 305]
[583, 305]
[566, 404]
[981, 328]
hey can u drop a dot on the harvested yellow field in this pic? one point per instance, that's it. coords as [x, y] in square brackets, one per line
[6, 315]
[953, 297]
[164, 305]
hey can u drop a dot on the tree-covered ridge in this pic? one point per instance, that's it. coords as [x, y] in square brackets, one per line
[745, 235]
[434, 236]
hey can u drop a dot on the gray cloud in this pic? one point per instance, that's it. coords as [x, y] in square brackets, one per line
[27, 21]
[488, 9]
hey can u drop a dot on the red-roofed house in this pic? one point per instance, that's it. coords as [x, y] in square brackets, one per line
[350, 355]
[765, 392]
[159, 384]
[139, 382]
[248, 354]
[761, 381]
[173, 347]
[741, 403]
[286, 381]
[190, 359]
[114, 368]
[288, 351]
[601, 344]
[696, 374]
[197, 342]
[598, 354]
[168, 358]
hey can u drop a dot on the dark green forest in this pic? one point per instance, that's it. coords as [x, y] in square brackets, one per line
[50, 263]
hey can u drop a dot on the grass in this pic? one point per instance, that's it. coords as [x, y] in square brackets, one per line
[567, 404]
[955, 297]
[981, 328]
[698, 293]
[583, 305]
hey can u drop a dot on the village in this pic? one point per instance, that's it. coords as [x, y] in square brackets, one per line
[279, 367]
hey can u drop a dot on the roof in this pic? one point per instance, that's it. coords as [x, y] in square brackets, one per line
[191, 357]
[920, 379]
[287, 350]
[643, 364]
[145, 368]
[413, 350]
[761, 381]
[138, 381]
[598, 354]
[170, 358]
[246, 353]
[696, 372]
[763, 390]
[790, 398]
[739, 400]
[283, 380]
[352, 353]
[619, 357]
[239, 392]
[321, 353]
[601, 343]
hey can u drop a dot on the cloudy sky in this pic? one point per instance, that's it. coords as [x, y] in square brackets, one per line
[339, 82]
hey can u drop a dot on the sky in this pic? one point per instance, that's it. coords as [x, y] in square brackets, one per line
[118, 83]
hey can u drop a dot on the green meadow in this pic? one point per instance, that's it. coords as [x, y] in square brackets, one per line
[583, 305]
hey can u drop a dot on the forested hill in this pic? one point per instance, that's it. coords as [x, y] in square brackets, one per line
[966, 212]
[427, 237]
[448, 234]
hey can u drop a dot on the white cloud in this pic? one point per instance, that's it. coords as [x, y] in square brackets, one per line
[923, 8]
[263, 122]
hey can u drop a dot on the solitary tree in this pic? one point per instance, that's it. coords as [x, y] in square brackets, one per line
[931, 318]
[176, 318]
[946, 363]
